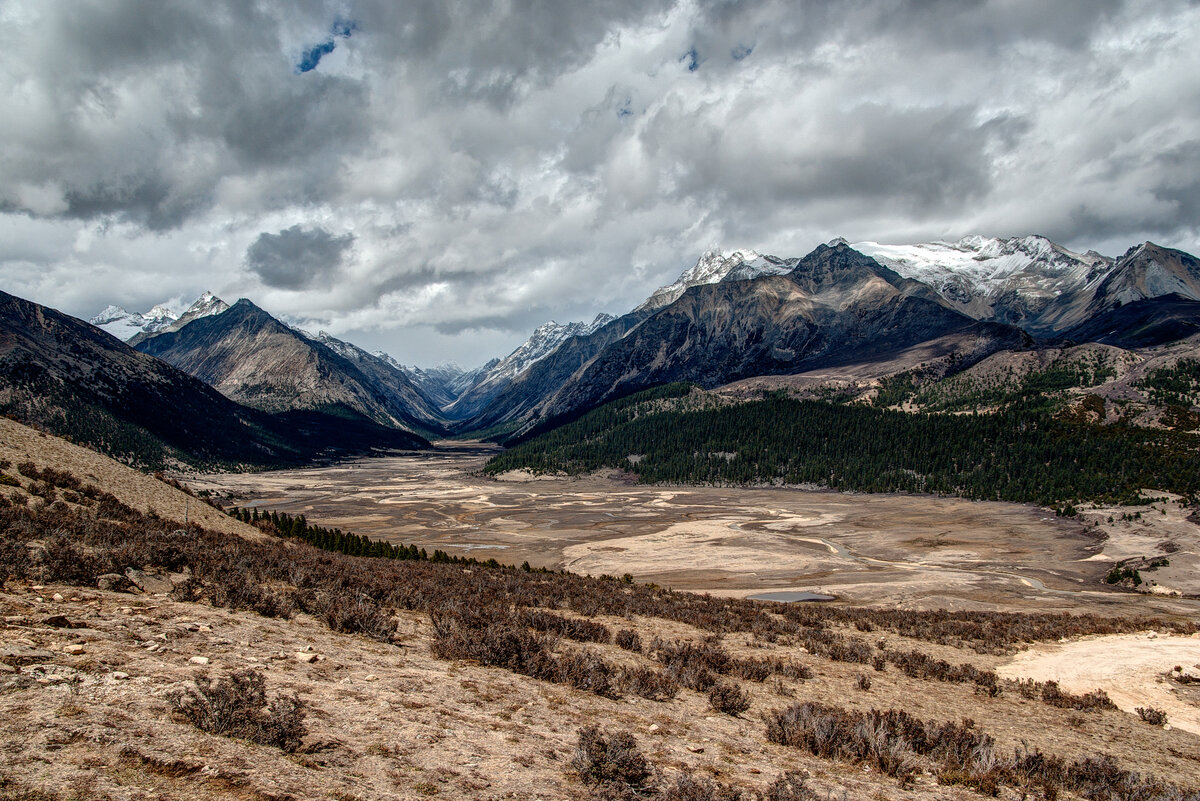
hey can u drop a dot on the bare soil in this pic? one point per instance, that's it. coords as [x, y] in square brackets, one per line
[916, 552]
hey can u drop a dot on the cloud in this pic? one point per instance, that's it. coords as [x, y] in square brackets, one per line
[297, 258]
[502, 164]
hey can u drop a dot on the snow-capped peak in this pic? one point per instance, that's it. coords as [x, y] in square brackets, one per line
[125, 325]
[712, 268]
[988, 267]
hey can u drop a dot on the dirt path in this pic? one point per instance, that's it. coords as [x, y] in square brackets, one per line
[1131, 668]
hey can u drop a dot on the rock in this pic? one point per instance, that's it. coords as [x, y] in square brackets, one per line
[7, 668]
[119, 675]
[149, 582]
[74, 650]
[306, 658]
[57, 597]
[199, 660]
[18, 655]
[654, 727]
[370, 677]
[696, 749]
[59, 622]
[113, 582]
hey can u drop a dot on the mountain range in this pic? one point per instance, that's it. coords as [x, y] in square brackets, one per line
[730, 317]
[73, 379]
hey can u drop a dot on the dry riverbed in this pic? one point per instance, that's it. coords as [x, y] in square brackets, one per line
[911, 551]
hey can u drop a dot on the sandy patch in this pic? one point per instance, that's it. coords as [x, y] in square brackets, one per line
[1131, 668]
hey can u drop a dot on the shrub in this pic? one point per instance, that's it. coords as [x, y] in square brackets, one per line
[236, 706]
[629, 640]
[728, 699]
[612, 760]
[1155, 717]
[689, 788]
[862, 681]
[791, 786]
[648, 683]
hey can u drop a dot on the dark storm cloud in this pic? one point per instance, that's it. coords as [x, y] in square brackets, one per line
[297, 258]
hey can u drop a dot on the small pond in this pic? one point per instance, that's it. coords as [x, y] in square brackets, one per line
[790, 596]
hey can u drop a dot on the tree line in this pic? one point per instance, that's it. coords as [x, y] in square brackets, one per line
[1020, 453]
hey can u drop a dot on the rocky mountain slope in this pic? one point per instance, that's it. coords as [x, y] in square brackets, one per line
[65, 375]
[836, 306]
[254, 359]
[714, 267]
[493, 380]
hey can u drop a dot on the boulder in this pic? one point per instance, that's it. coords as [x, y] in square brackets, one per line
[149, 582]
[113, 582]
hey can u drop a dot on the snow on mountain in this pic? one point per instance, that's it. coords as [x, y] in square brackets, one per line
[206, 305]
[714, 267]
[494, 376]
[125, 325]
[545, 340]
[977, 271]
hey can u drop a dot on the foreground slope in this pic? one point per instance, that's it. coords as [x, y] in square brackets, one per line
[72, 378]
[409, 679]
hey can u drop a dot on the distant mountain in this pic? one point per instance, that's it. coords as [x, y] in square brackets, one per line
[71, 378]
[836, 306]
[254, 359]
[714, 267]
[443, 383]
[127, 326]
[1145, 272]
[1022, 280]
[1038, 285]
[544, 341]
[388, 376]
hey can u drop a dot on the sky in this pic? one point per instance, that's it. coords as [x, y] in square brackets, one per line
[435, 178]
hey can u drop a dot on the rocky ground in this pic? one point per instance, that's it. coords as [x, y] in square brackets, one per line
[86, 678]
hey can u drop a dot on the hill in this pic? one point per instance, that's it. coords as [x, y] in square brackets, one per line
[73, 379]
[270, 668]
[256, 360]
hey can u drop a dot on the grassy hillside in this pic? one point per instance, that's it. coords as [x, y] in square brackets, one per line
[271, 668]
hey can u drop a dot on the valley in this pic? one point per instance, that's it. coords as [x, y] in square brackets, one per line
[909, 551]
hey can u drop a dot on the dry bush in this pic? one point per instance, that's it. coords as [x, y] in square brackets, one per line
[1155, 717]
[648, 683]
[571, 628]
[791, 786]
[728, 699]
[612, 761]
[1053, 695]
[235, 705]
[919, 665]
[862, 681]
[687, 787]
[629, 640]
